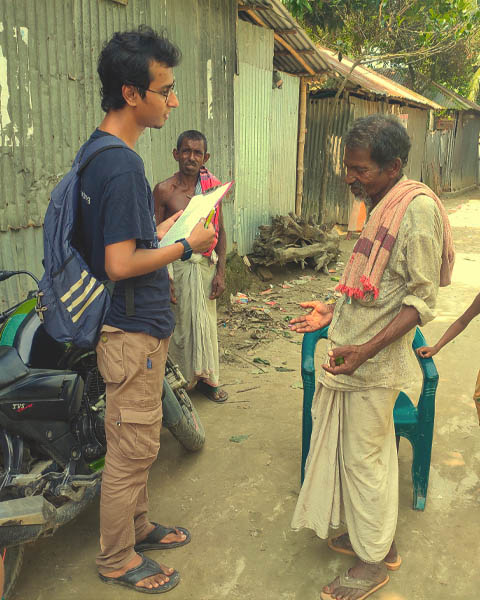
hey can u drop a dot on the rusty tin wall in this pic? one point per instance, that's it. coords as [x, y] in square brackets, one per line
[50, 103]
[337, 198]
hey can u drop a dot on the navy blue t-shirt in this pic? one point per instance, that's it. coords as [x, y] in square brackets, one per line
[116, 205]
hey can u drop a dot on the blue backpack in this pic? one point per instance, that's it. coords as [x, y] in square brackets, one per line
[72, 303]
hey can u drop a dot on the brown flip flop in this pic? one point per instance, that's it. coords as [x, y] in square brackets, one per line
[213, 393]
[364, 585]
[391, 566]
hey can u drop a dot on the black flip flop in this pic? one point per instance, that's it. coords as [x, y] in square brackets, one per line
[153, 539]
[146, 568]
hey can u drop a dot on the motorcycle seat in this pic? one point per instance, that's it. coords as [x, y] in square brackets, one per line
[12, 368]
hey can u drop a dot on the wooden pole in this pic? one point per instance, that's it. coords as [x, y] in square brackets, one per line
[302, 129]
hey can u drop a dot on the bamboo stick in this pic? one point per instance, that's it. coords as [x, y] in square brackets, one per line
[302, 128]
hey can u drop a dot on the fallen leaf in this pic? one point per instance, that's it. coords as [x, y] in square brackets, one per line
[239, 438]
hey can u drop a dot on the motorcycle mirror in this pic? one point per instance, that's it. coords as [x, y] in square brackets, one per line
[7, 274]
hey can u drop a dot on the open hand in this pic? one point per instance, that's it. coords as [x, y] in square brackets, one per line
[345, 360]
[164, 226]
[320, 316]
[426, 351]
[218, 286]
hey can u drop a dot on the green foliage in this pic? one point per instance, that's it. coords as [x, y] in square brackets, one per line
[298, 7]
[436, 38]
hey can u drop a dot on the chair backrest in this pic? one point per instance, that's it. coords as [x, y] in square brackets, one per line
[429, 370]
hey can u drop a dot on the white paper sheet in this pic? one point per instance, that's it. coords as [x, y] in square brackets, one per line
[199, 207]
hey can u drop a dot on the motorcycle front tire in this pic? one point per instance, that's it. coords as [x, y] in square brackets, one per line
[182, 419]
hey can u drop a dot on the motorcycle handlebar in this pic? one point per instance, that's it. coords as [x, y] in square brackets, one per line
[7, 274]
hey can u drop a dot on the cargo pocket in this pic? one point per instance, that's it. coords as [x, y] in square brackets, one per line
[140, 432]
[110, 354]
[154, 373]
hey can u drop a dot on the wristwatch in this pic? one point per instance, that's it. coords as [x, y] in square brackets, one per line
[187, 249]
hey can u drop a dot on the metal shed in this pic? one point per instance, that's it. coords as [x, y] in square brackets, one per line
[451, 152]
[270, 44]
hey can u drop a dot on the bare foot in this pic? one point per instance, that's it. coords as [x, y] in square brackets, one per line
[178, 536]
[376, 573]
[343, 541]
[154, 581]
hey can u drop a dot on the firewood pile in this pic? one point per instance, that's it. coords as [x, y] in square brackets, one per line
[293, 239]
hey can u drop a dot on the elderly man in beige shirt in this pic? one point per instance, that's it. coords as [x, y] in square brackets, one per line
[388, 288]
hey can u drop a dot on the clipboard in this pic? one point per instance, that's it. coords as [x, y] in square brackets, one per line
[199, 207]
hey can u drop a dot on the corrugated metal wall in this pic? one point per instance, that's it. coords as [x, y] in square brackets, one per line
[465, 155]
[266, 130]
[339, 198]
[437, 163]
[451, 156]
[283, 147]
[49, 101]
[417, 127]
[253, 108]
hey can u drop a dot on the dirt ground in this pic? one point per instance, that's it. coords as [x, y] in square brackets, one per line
[237, 497]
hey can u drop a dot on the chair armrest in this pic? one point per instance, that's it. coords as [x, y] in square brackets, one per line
[309, 344]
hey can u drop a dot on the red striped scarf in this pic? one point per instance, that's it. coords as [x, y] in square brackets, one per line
[371, 253]
[208, 181]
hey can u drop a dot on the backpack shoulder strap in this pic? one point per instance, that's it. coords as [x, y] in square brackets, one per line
[96, 147]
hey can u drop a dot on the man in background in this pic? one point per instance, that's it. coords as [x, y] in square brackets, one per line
[198, 282]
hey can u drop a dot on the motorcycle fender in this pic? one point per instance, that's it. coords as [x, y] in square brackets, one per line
[32, 510]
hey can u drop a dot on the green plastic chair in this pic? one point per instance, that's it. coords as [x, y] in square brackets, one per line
[412, 422]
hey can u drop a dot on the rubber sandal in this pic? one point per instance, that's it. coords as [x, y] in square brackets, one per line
[211, 392]
[153, 539]
[146, 568]
[391, 566]
[353, 583]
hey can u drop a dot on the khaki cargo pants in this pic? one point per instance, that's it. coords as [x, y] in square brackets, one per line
[133, 367]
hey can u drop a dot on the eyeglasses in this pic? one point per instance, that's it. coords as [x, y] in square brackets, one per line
[164, 93]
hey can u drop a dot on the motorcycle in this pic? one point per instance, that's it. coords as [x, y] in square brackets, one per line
[52, 436]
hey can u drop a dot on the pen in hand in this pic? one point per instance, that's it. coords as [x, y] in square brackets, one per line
[209, 218]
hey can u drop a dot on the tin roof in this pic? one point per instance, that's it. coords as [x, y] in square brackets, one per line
[294, 51]
[438, 93]
[368, 80]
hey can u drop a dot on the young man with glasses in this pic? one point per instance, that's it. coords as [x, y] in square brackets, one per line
[119, 239]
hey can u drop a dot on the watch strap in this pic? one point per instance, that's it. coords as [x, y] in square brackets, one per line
[187, 249]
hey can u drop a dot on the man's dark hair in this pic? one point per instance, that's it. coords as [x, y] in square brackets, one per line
[194, 135]
[385, 137]
[126, 59]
